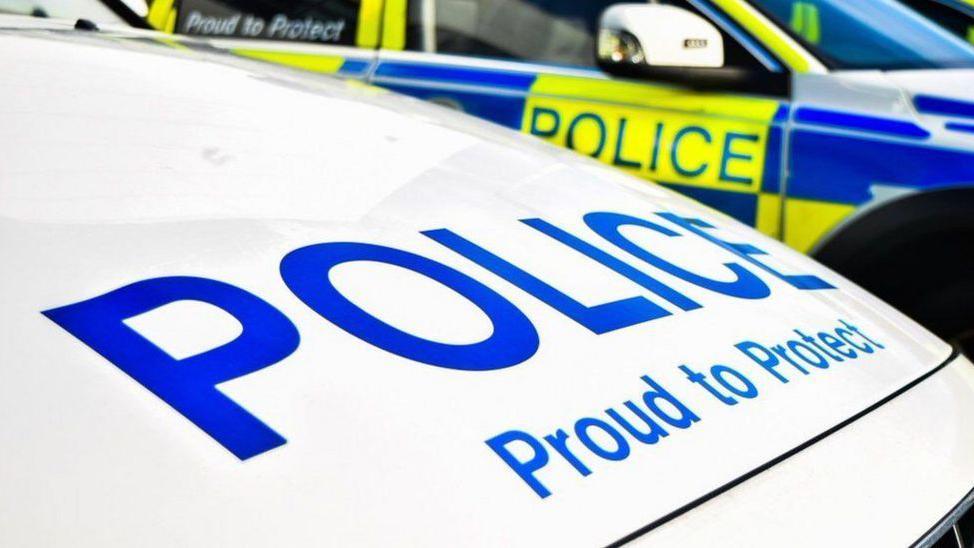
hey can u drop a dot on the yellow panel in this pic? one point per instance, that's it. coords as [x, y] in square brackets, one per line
[171, 22]
[369, 89]
[173, 43]
[769, 215]
[308, 61]
[369, 22]
[807, 221]
[656, 96]
[710, 141]
[160, 13]
[772, 38]
[806, 21]
[394, 25]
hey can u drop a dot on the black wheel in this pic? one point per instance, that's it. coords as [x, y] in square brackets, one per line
[918, 255]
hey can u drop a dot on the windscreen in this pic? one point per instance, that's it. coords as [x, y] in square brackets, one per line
[869, 34]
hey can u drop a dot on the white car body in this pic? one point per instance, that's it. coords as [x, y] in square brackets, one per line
[125, 161]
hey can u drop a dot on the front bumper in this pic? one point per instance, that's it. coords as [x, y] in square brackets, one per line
[899, 475]
[956, 530]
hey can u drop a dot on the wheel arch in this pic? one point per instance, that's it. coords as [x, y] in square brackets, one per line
[910, 251]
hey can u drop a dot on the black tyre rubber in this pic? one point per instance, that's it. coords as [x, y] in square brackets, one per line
[917, 254]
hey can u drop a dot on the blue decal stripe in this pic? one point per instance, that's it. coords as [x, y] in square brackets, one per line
[842, 169]
[929, 104]
[965, 128]
[772, 161]
[488, 77]
[860, 122]
[781, 116]
[774, 147]
[354, 66]
[505, 110]
[739, 205]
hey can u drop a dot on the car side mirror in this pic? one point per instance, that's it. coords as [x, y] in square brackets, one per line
[658, 36]
[671, 44]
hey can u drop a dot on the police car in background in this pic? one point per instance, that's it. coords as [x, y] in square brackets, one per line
[248, 306]
[844, 129]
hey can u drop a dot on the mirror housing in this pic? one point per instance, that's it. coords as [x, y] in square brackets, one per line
[674, 45]
[658, 35]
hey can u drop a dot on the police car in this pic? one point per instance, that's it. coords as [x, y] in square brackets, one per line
[248, 306]
[844, 129]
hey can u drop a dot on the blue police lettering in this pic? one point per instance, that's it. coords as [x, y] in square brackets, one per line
[189, 385]
[524, 469]
[577, 451]
[268, 337]
[599, 319]
[746, 251]
[805, 353]
[514, 338]
[746, 284]
[614, 263]
[595, 439]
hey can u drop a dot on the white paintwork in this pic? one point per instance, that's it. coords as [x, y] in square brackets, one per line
[127, 161]
[890, 95]
[669, 36]
[955, 84]
[93, 10]
[877, 481]
[867, 92]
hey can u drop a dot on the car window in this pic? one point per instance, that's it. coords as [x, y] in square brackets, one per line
[318, 21]
[546, 31]
[869, 34]
[955, 16]
[552, 31]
